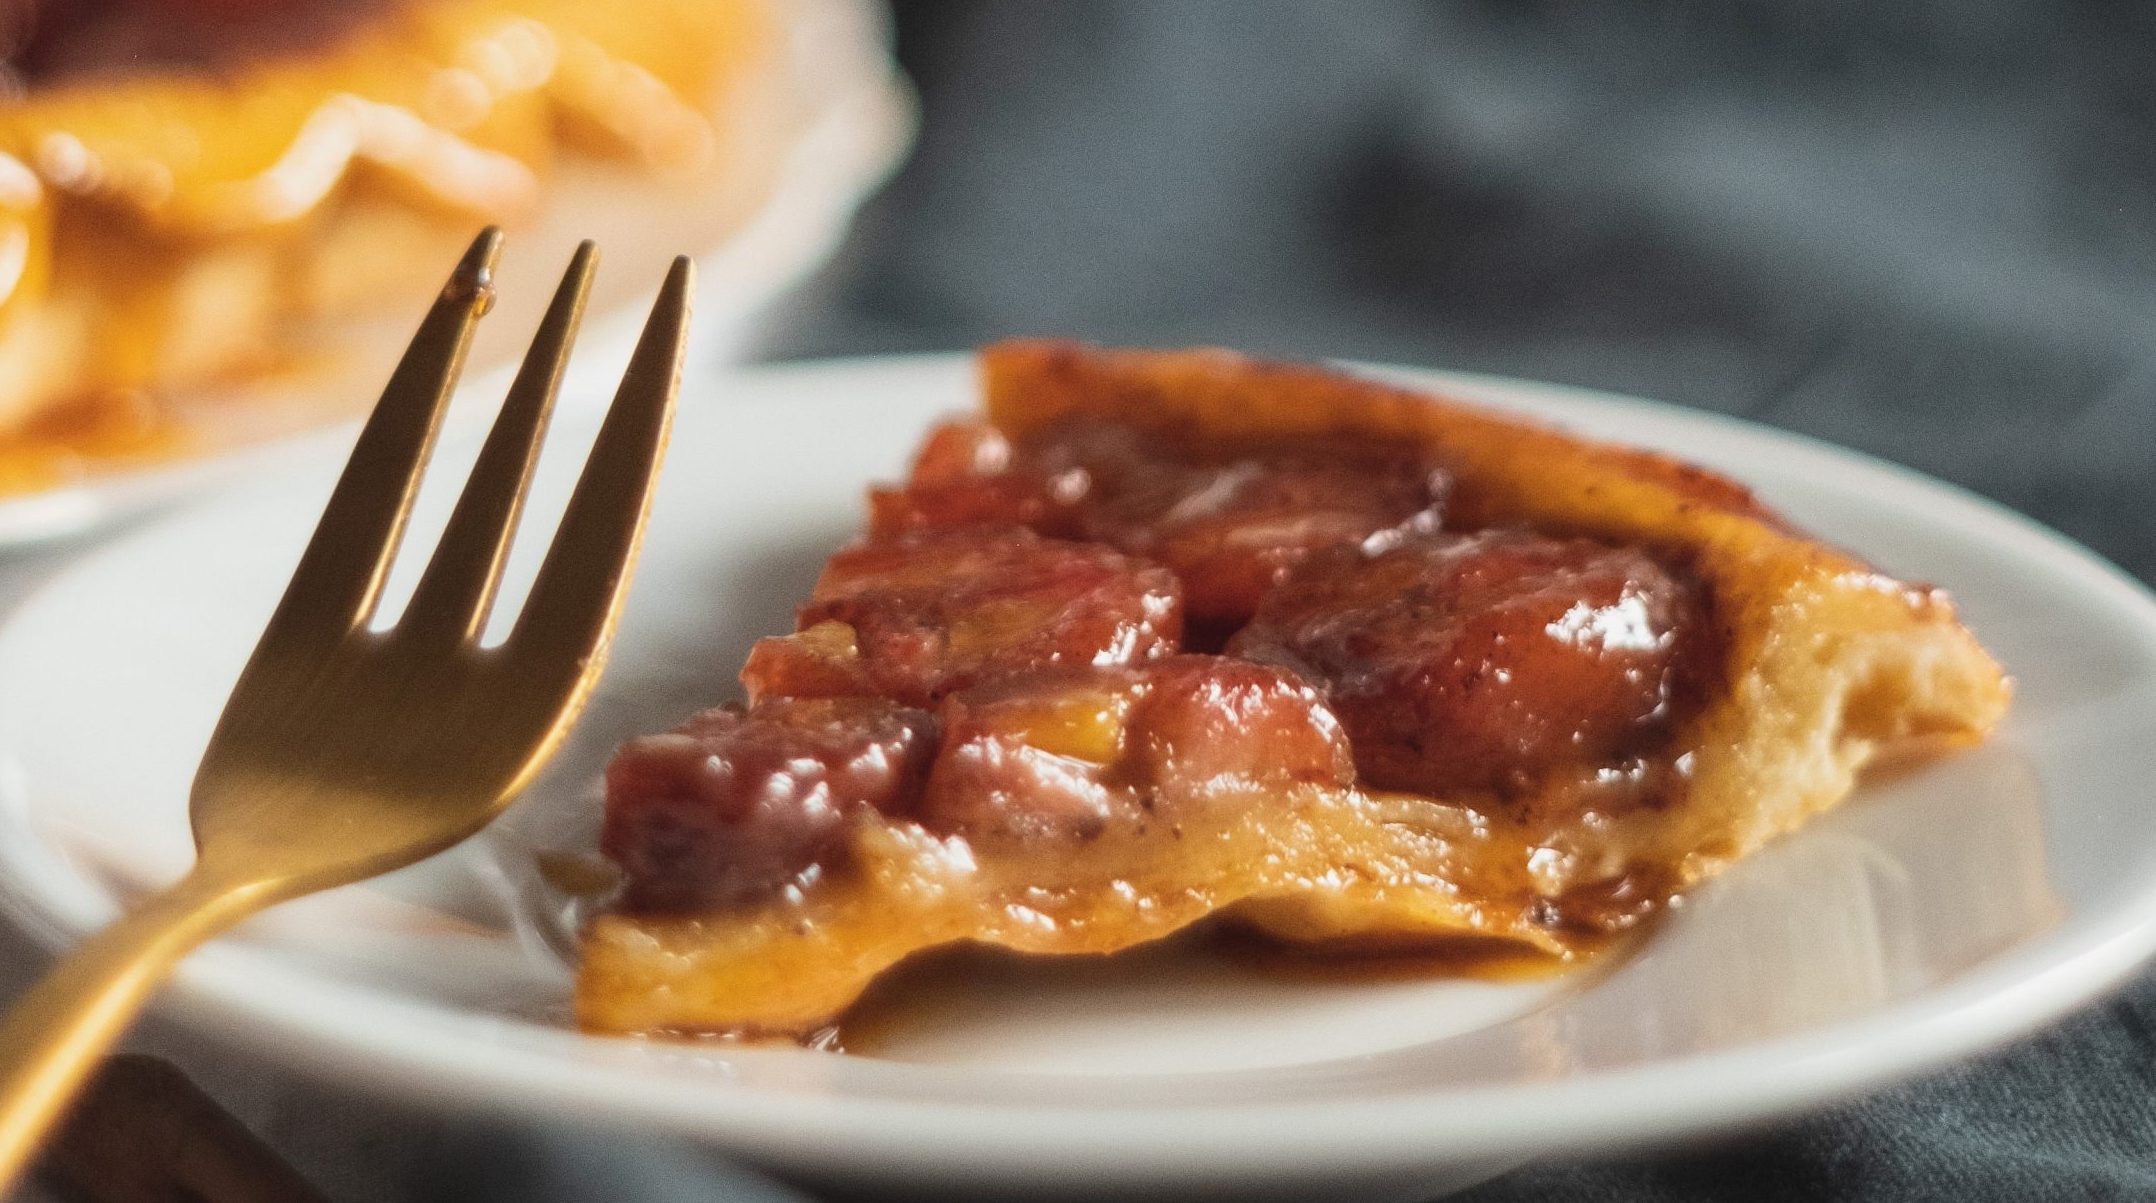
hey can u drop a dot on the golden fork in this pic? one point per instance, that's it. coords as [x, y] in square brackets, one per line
[345, 752]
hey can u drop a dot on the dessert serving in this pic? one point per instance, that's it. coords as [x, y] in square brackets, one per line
[1170, 637]
[200, 195]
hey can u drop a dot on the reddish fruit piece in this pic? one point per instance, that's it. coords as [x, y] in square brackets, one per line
[1229, 522]
[1230, 530]
[1032, 757]
[968, 474]
[1478, 661]
[736, 803]
[1210, 723]
[960, 450]
[916, 617]
[1226, 524]
[1071, 753]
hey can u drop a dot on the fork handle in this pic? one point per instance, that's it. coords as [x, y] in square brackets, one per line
[56, 1032]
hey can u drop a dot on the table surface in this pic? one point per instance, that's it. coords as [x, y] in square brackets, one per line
[1925, 231]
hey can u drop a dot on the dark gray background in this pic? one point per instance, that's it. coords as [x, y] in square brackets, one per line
[1924, 229]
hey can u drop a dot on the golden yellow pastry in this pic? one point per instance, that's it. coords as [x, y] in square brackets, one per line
[204, 191]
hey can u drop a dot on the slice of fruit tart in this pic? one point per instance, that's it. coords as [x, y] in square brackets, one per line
[1170, 636]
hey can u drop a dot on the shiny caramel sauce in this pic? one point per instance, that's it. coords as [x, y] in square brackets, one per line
[580, 878]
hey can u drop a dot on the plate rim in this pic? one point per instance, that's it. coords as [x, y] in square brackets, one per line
[2024, 987]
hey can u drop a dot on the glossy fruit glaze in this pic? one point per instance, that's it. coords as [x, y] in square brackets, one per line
[1226, 522]
[922, 613]
[1001, 662]
[741, 803]
[1481, 661]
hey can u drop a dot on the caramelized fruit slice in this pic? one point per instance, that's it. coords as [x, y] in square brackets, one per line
[916, 617]
[736, 804]
[1228, 524]
[1230, 530]
[968, 474]
[1073, 755]
[1483, 661]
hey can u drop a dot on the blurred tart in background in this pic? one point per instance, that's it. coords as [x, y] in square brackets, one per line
[201, 196]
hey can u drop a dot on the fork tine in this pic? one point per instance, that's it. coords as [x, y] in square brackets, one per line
[340, 574]
[580, 585]
[453, 596]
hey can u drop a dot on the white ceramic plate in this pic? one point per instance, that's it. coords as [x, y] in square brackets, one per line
[830, 127]
[1940, 911]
